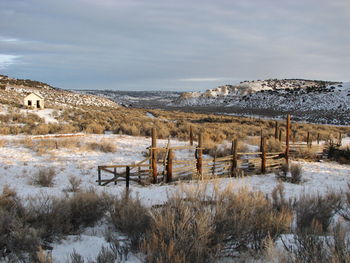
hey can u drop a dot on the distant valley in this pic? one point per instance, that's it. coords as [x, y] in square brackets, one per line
[307, 100]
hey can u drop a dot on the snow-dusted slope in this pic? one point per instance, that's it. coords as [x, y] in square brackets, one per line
[13, 91]
[325, 100]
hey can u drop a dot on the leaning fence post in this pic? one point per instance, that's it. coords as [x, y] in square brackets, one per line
[127, 177]
[200, 155]
[318, 138]
[263, 156]
[287, 138]
[234, 156]
[191, 135]
[169, 167]
[154, 155]
[99, 175]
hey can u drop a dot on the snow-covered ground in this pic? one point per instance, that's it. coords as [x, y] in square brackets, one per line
[47, 114]
[19, 163]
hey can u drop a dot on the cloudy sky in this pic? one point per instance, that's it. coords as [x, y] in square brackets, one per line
[173, 45]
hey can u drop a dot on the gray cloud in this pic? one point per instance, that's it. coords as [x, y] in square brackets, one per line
[159, 44]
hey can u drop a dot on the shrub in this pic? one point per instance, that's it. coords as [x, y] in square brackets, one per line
[40, 129]
[315, 248]
[74, 184]
[181, 231]
[314, 210]
[86, 208]
[246, 219]
[130, 217]
[94, 128]
[279, 202]
[296, 173]
[103, 146]
[345, 212]
[16, 237]
[51, 216]
[274, 146]
[340, 155]
[76, 257]
[44, 177]
[282, 173]
[195, 225]
[54, 217]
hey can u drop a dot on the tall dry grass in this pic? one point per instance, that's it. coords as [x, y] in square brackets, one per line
[198, 224]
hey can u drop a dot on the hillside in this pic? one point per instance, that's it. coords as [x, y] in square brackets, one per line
[309, 100]
[12, 92]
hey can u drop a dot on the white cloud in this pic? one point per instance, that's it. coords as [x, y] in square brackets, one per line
[8, 39]
[7, 60]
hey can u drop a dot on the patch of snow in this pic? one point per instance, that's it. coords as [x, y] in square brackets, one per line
[46, 114]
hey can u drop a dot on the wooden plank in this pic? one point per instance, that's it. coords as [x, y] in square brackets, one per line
[184, 161]
[123, 165]
[185, 147]
[249, 153]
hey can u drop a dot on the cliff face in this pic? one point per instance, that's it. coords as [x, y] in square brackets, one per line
[328, 101]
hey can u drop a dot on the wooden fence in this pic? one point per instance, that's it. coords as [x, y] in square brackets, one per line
[162, 165]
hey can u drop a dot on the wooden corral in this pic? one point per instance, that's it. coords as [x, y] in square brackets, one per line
[169, 168]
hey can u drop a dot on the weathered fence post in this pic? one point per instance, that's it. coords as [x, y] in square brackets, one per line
[115, 175]
[214, 164]
[127, 177]
[318, 138]
[169, 167]
[287, 138]
[200, 155]
[154, 155]
[340, 139]
[261, 139]
[234, 150]
[191, 135]
[263, 155]
[99, 175]
[308, 143]
[276, 130]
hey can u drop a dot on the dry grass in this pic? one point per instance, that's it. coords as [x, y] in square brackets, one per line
[168, 123]
[74, 184]
[104, 146]
[296, 173]
[195, 226]
[316, 210]
[44, 146]
[130, 217]
[44, 177]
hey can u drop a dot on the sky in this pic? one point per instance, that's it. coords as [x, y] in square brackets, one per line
[173, 45]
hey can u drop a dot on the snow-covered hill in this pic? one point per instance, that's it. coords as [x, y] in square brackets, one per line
[12, 91]
[322, 101]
